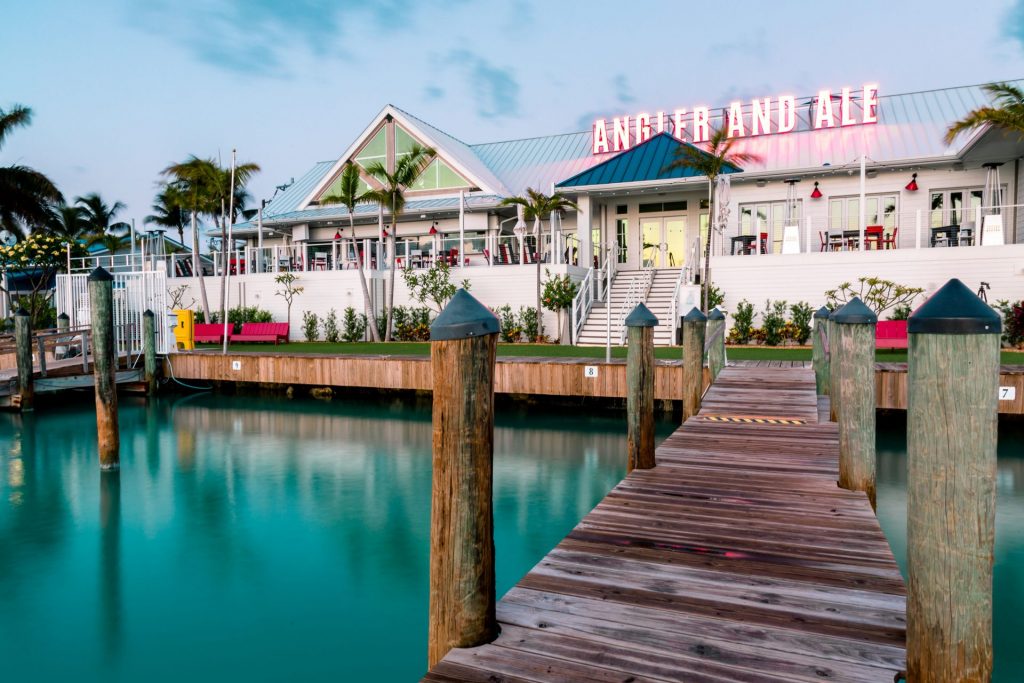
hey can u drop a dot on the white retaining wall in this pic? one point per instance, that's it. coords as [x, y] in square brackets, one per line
[806, 277]
[514, 285]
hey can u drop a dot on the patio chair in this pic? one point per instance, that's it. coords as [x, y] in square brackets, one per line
[764, 243]
[823, 236]
[890, 240]
[320, 260]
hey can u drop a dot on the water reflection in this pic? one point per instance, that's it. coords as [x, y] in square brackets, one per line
[266, 539]
[1008, 596]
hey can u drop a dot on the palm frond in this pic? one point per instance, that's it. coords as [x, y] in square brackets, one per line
[16, 116]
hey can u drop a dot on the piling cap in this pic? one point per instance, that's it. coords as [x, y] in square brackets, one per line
[463, 318]
[21, 312]
[63, 316]
[695, 316]
[100, 274]
[641, 316]
[855, 311]
[716, 315]
[955, 309]
[822, 312]
[147, 313]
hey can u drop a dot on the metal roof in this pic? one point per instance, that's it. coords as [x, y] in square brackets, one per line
[910, 129]
[647, 161]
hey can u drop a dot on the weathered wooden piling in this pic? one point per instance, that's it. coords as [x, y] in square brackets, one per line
[640, 324]
[953, 385]
[716, 350]
[149, 351]
[853, 350]
[23, 357]
[101, 307]
[833, 371]
[820, 351]
[694, 325]
[462, 356]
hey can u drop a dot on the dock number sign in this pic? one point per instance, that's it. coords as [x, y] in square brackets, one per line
[590, 371]
[1007, 393]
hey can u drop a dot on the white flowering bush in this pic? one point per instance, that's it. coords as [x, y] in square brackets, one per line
[38, 256]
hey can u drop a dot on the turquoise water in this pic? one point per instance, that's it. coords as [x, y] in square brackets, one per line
[255, 539]
[1008, 595]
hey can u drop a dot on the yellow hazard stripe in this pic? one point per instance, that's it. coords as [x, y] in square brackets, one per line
[753, 420]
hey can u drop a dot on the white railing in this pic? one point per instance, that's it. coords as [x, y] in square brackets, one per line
[639, 286]
[674, 315]
[916, 229]
[582, 303]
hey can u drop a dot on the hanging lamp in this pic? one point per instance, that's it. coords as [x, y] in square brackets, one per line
[815, 193]
[912, 185]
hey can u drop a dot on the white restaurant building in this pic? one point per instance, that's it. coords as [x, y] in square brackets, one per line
[848, 183]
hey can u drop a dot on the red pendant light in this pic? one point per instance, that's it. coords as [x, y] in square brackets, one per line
[815, 193]
[912, 185]
[337, 235]
[433, 229]
[384, 232]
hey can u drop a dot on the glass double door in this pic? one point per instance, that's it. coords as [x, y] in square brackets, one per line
[664, 242]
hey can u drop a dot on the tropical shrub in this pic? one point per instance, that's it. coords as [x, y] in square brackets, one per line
[1013, 322]
[411, 323]
[310, 326]
[773, 319]
[331, 332]
[353, 325]
[558, 293]
[743, 323]
[877, 293]
[509, 329]
[801, 322]
[716, 297]
[900, 312]
[432, 287]
[289, 290]
[528, 323]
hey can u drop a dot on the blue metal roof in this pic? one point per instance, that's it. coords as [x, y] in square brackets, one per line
[650, 160]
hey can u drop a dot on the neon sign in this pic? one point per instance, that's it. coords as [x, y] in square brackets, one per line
[765, 116]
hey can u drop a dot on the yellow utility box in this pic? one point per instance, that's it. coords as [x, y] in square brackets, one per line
[184, 338]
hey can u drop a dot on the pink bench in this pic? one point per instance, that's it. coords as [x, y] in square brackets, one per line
[261, 332]
[208, 333]
[891, 334]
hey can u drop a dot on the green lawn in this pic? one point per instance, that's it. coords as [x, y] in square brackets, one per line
[552, 350]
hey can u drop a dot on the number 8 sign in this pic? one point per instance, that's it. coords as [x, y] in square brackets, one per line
[590, 371]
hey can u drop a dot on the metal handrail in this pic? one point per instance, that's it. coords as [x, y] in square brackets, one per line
[641, 283]
[675, 303]
[582, 303]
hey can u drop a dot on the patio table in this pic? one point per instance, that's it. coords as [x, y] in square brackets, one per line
[746, 243]
[946, 233]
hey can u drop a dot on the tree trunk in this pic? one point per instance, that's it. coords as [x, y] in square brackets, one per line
[197, 269]
[705, 284]
[391, 277]
[540, 311]
[367, 304]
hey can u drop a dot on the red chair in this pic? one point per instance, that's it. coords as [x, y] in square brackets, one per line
[823, 236]
[890, 240]
[764, 243]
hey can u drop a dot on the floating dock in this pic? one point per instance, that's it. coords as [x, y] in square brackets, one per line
[737, 558]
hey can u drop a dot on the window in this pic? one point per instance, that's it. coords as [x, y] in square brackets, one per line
[403, 142]
[621, 209]
[438, 176]
[844, 212]
[770, 218]
[959, 206]
[335, 188]
[659, 207]
[621, 230]
[373, 151]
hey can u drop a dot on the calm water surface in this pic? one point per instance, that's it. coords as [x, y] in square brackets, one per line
[1008, 597]
[266, 540]
[257, 539]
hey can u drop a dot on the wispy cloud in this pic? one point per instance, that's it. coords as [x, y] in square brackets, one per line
[495, 88]
[432, 93]
[255, 37]
[752, 46]
[1013, 24]
[623, 93]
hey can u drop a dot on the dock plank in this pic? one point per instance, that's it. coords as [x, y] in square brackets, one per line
[737, 558]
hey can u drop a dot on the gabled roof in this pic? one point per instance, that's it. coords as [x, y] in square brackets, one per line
[650, 160]
[454, 152]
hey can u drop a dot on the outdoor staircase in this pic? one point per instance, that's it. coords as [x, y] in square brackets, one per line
[659, 300]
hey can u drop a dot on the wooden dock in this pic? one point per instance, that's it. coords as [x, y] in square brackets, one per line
[737, 558]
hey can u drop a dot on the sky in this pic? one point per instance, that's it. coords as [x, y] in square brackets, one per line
[120, 90]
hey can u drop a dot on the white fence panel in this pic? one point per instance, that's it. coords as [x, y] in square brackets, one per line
[134, 293]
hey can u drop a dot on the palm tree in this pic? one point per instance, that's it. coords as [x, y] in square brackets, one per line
[67, 222]
[229, 199]
[169, 210]
[392, 195]
[100, 217]
[720, 157]
[536, 205]
[108, 241]
[349, 194]
[191, 180]
[25, 194]
[1006, 112]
